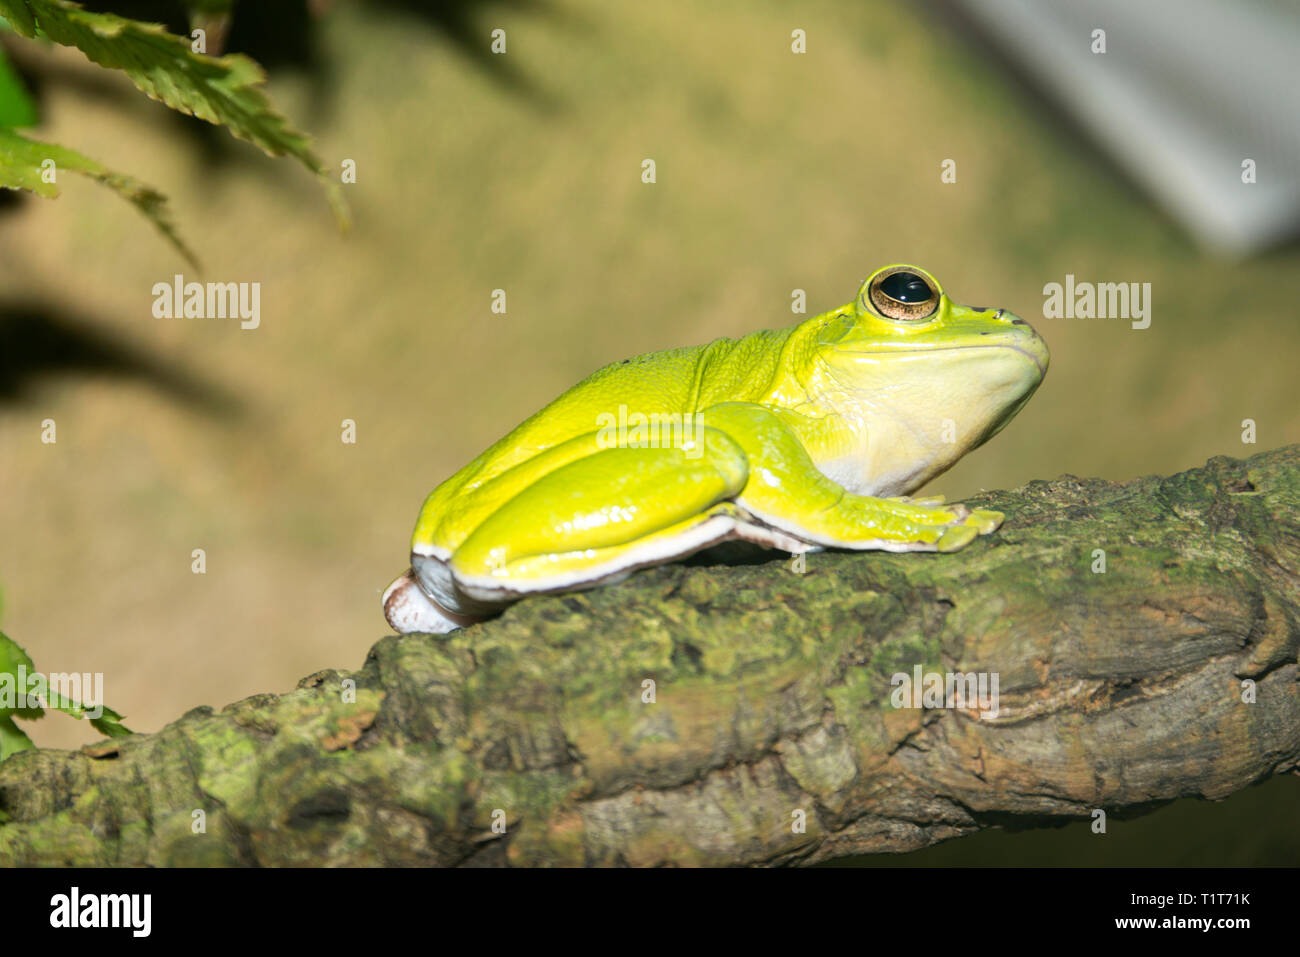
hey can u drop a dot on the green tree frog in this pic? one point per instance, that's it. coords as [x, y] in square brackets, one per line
[800, 439]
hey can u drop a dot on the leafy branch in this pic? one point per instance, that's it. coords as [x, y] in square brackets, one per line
[18, 678]
[23, 165]
[226, 91]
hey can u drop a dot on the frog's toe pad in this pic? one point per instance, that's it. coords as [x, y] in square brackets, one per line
[958, 536]
[985, 520]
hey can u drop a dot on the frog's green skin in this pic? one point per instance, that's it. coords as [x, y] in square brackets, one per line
[809, 438]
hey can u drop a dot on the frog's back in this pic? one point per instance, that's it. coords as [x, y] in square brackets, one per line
[682, 380]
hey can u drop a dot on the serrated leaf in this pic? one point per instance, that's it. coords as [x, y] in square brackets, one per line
[222, 90]
[21, 167]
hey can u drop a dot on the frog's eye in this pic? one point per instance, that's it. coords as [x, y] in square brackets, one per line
[903, 294]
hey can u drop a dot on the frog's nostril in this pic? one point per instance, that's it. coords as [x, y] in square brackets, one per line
[1018, 322]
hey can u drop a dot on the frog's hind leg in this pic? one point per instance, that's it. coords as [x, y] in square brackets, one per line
[589, 568]
[601, 517]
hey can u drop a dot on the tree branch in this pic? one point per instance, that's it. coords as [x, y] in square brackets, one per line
[1171, 673]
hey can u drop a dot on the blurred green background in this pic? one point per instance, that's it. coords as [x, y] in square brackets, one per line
[775, 171]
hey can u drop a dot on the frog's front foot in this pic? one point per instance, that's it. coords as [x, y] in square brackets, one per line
[408, 609]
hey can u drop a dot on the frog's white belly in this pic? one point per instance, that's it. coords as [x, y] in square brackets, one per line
[850, 473]
[888, 452]
[885, 463]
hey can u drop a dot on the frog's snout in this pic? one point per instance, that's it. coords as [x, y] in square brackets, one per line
[1026, 340]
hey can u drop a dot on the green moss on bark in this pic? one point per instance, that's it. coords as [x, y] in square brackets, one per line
[529, 740]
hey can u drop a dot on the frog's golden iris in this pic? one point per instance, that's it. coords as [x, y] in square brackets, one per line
[812, 437]
[902, 294]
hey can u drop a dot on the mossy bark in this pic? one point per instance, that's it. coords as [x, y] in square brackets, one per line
[1171, 673]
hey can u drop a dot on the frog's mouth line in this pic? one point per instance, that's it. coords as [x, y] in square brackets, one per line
[1041, 364]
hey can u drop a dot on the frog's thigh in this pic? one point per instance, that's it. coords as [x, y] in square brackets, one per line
[787, 491]
[602, 516]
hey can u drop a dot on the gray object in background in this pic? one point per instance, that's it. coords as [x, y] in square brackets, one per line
[1185, 92]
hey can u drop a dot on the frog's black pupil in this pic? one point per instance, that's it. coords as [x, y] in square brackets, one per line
[905, 287]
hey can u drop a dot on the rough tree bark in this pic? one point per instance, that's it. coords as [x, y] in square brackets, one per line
[1171, 673]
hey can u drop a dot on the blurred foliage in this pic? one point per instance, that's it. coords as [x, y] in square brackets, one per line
[24, 163]
[16, 105]
[225, 91]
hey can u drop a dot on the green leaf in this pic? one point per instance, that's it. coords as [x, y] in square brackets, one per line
[18, 18]
[12, 657]
[21, 167]
[12, 740]
[16, 105]
[222, 90]
[109, 723]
